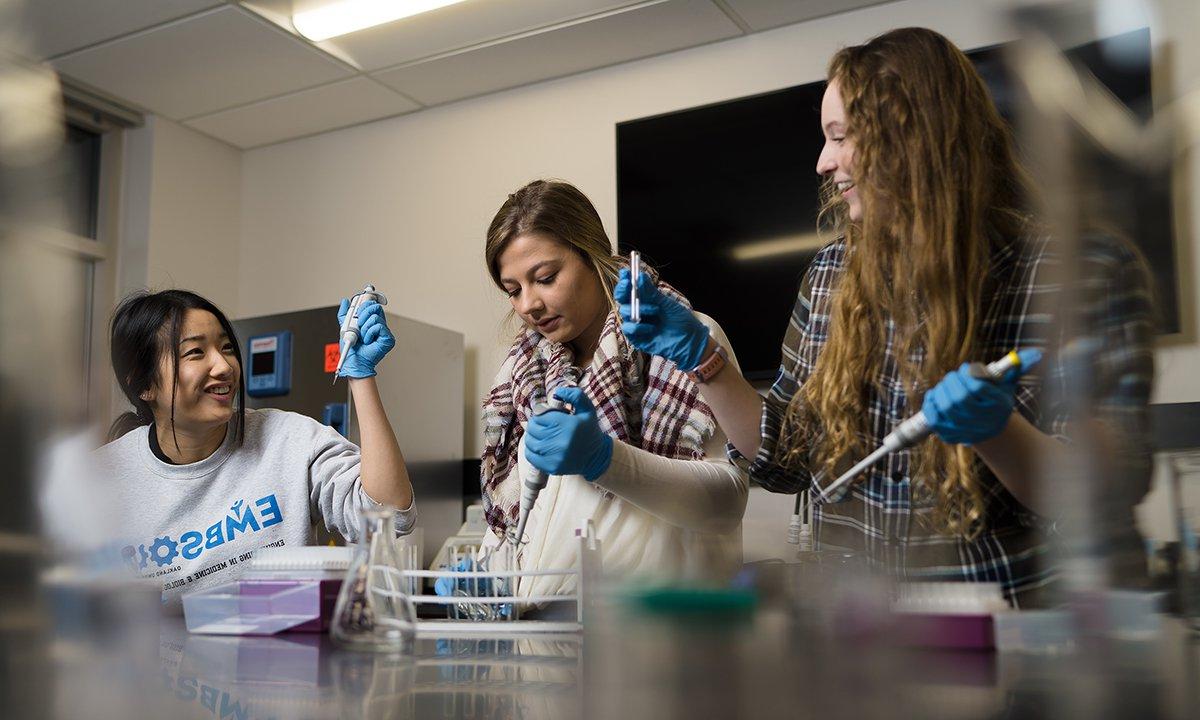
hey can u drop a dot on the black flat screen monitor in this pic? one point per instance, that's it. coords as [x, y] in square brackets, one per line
[722, 199]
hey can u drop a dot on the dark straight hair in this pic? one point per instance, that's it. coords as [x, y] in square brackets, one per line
[145, 328]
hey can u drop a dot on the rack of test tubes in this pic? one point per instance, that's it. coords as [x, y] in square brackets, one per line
[483, 598]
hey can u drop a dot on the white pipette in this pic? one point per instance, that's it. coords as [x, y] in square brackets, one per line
[635, 271]
[535, 480]
[916, 428]
[349, 332]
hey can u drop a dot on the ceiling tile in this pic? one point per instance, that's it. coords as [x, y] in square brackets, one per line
[328, 107]
[458, 26]
[203, 64]
[625, 35]
[764, 14]
[60, 26]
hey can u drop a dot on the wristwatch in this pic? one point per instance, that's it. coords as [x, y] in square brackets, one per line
[709, 366]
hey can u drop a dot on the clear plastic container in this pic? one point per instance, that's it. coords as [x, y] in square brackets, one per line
[252, 607]
[276, 594]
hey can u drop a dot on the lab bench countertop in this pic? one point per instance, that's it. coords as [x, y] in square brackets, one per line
[632, 665]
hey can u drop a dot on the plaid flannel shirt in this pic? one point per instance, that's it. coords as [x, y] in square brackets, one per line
[878, 514]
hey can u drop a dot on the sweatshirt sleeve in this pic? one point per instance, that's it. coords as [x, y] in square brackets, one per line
[335, 485]
[707, 495]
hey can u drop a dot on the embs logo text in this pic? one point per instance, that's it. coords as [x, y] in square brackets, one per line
[243, 518]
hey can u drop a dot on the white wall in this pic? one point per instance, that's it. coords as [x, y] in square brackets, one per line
[405, 202]
[179, 225]
[181, 213]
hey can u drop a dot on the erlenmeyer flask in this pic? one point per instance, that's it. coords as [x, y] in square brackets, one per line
[373, 612]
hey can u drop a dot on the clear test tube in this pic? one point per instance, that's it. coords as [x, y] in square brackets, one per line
[454, 611]
[635, 270]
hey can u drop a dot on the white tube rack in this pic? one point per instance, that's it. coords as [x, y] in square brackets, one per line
[587, 574]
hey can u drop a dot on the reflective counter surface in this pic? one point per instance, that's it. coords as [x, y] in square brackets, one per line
[627, 664]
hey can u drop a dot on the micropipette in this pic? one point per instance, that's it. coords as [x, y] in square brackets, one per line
[916, 428]
[635, 271]
[349, 331]
[535, 480]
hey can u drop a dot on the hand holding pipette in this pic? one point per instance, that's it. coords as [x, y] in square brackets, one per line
[538, 474]
[562, 443]
[361, 318]
[974, 403]
[534, 480]
[968, 406]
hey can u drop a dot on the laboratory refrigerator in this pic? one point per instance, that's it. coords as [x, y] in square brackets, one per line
[290, 358]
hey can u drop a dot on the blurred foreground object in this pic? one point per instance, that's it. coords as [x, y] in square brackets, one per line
[31, 129]
[1185, 492]
[1076, 137]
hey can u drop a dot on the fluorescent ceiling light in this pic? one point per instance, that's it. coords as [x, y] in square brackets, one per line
[777, 246]
[321, 21]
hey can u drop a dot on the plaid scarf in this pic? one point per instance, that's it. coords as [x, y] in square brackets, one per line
[642, 400]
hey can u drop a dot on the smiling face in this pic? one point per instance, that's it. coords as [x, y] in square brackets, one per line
[206, 383]
[554, 291]
[837, 156]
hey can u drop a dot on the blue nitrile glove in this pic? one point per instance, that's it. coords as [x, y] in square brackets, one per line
[446, 587]
[667, 329]
[374, 340]
[559, 443]
[964, 410]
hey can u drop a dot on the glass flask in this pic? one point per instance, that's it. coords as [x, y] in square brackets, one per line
[373, 612]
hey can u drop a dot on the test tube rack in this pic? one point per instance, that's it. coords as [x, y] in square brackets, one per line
[495, 593]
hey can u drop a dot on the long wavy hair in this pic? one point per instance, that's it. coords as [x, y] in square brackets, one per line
[941, 189]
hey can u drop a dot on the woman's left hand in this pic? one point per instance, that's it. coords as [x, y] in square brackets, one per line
[374, 340]
[666, 328]
[963, 409]
[559, 443]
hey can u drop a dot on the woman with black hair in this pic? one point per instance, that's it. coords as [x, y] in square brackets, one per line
[201, 481]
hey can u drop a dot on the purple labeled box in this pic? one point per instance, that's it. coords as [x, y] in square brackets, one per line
[262, 607]
[957, 631]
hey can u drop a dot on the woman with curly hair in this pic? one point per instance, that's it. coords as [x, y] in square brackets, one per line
[936, 264]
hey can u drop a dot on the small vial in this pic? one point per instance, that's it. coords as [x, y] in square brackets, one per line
[635, 271]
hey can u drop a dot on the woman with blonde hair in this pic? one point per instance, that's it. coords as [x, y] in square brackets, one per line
[935, 264]
[641, 456]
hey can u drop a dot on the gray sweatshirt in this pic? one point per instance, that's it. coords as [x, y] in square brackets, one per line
[195, 526]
